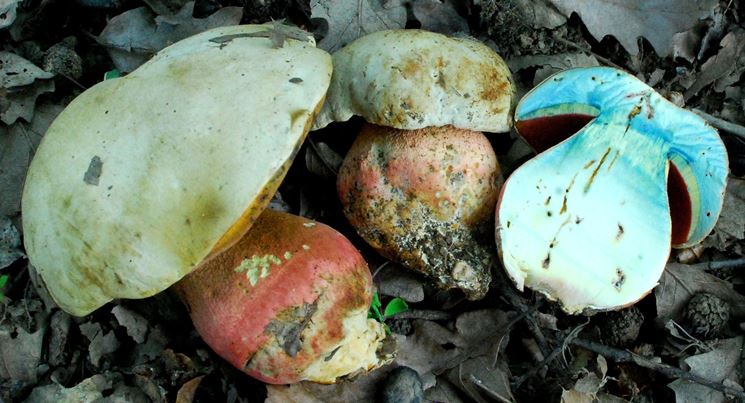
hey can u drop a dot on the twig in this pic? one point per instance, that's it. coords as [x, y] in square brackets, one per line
[669, 371]
[719, 123]
[422, 314]
[551, 356]
[722, 264]
[602, 59]
[72, 80]
[521, 306]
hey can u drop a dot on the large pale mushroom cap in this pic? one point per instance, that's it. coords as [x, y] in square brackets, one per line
[411, 79]
[143, 177]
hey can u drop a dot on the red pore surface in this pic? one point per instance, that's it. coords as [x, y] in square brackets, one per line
[293, 312]
[545, 132]
[425, 198]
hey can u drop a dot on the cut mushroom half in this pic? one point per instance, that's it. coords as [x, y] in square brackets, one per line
[622, 175]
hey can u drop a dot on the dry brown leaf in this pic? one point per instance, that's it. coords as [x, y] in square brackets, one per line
[439, 16]
[10, 243]
[725, 67]
[680, 282]
[480, 379]
[729, 233]
[350, 19]
[187, 391]
[360, 389]
[657, 20]
[20, 353]
[397, 281]
[89, 390]
[136, 35]
[719, 365]
[434, 348]
[17, 145]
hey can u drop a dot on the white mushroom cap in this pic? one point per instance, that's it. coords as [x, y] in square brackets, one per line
[411, 79]
[143, 177]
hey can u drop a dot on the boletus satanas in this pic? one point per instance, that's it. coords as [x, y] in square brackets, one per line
[143, 179]
[622, 175]
[420, 182]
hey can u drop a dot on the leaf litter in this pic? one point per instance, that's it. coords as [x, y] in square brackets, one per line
[463, 351]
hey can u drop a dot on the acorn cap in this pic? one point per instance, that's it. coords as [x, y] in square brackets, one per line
[141, 178]
[411, 79]
[590, 220]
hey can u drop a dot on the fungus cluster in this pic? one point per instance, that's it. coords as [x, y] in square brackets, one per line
[145, 181]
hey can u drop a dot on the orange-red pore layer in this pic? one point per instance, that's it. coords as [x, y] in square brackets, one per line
[281, 299]
[426, 199]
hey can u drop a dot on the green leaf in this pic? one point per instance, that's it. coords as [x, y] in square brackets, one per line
[395, 306]
[375, 305]
[111, 74]
[3, 280]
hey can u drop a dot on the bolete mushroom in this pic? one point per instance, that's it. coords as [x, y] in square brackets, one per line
[287, 303]
[420, 180]
[623, 175]
[143, 177]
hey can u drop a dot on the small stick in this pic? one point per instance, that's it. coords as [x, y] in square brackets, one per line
[669, 371]
[422, 314]
[720, 123]
[721, 264]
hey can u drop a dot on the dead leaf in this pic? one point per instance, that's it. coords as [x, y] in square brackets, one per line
[59, 326]
[359, 389]
[719, 365]
[725, 67]
[350, 19]
[135, 324]
[88, 390]
[321, 160]
[680, 282]
[397, 281]
[480, 379]
[443, 391]
[136, 35]
[22, 101]
[439, 16]
[186, 391]
[20, 353]
[657, 21]
[551, 64]
[539, 14]
[8, 12]
[101, 343]
[17, 145]
[729, 233]
[10, 242]
[16, 71]
[434, 348]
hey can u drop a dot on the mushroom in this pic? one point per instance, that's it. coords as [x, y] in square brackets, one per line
[420, 182]
[143, 177]
[623, 175]
[287, 303]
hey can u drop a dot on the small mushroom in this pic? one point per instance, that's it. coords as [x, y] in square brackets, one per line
[420, 182]
[143, 177]
[287, 303]
[623, 174]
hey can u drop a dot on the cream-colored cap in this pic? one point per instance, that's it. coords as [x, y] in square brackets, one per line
[143, 177]
[410, 79]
